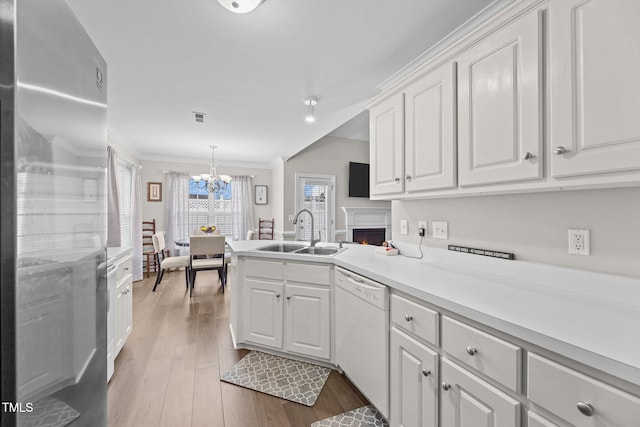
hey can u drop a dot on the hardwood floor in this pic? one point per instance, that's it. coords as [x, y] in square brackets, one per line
[168, 373]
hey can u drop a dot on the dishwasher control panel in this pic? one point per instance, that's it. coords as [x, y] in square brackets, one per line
[372, 292]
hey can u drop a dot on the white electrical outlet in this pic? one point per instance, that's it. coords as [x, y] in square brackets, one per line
[422, 224]
[422, 228]
[440, 229]
[404, 227]
[579, 242]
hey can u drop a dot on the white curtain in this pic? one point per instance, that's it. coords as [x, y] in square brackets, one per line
[136, 222]
[177, 210]
[113, 204]
[241, 207]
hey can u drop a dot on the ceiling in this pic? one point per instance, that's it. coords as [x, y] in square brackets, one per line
[251, 73]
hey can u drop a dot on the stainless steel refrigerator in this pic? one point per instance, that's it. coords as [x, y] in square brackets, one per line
[53, 123]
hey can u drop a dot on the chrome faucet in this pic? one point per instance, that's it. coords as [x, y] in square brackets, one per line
[313, 241]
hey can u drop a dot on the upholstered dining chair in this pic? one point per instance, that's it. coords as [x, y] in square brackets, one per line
[167, 262]
[207, 253]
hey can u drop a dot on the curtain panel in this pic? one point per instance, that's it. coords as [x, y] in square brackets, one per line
[113, 204]
[241, 207]
[136, 222]
[177, 210]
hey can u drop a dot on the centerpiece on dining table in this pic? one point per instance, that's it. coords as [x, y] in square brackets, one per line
[208, 229]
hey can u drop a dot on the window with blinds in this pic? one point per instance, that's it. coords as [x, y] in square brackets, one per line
[210, 209]
[124, 195]
[315, 200]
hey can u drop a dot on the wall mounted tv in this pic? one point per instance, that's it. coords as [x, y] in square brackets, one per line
[358, 179]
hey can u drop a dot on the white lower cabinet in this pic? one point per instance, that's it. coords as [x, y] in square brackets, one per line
[280, 311]
[124, 302]
[263, 312]
[468, 401]
[414, 382]
[308, 323]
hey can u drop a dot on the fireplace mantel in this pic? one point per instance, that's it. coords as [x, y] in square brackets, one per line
[365, 217]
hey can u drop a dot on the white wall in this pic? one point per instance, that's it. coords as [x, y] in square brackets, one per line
[152, 171]
[534, 226]
[329, 155]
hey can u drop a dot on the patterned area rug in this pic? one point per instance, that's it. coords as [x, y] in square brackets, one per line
[362, 417]
[49, 412]
[285, 378]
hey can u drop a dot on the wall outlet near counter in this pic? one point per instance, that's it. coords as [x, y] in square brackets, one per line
[579, 242]
[440, 229]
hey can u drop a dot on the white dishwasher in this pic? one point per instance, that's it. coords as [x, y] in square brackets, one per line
[362, 335]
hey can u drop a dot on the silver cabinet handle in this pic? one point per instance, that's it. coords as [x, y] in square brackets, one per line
[585, 408]
[408, 317]
[288, 298]
[408, 177]
[528, 156]
[559, 150]
[397, 180]
[472, 351]
[426, 372]
[277, 295]
[446, 386]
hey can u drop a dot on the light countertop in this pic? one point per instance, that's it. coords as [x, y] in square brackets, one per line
[588, 317]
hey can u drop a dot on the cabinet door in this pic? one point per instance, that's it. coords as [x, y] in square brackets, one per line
[468, 401]
[263, 312]
[386, 121]
[123, 312]
[414, 382]
[430, 145]
[595, 86]
[499, 93]
[308, 321]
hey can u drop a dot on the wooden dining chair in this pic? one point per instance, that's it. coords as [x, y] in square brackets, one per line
[207, 253]
[167, 262]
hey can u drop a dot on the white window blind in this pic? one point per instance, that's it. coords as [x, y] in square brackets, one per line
[315, 199]
[124, 193]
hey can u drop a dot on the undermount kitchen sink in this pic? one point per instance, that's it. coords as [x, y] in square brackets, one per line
[319, 251]
[300, 249]
[282, 247]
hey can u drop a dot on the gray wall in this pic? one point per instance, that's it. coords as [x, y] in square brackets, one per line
[534, 226]
[152, 172]
[329, 155]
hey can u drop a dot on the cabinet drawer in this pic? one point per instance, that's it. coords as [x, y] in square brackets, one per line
[308, 273]
[498, 359]
[415, 318]
[562, 390]
[535, 420]
[124, 268]
[266, 269]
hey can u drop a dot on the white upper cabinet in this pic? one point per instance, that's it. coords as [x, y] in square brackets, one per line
[387, 146]
[499, 105]
[595, 86]
[430, 146]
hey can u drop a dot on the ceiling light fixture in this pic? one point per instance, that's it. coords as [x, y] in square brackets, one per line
[310, 117]
[212, 181]
[240, 6]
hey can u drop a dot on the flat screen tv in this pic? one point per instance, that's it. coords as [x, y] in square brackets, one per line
[358, 179]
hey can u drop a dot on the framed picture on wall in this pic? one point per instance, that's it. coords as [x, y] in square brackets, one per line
[154, 191]
[261, 194]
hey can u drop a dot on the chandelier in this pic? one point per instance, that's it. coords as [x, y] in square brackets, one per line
[212, 181]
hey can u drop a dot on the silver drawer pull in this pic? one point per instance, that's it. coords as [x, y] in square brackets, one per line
[397, 180]
[288, 298]
[446, 386]
[408, 317]
[408, 177]
[426, 373]
[585, 408]
[472, 351]
[277, 295]
[528, 156]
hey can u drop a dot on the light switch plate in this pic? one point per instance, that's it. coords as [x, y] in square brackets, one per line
[440, 229]
[404, 227]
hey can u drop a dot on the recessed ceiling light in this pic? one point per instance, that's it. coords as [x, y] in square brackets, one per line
[240, 6]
